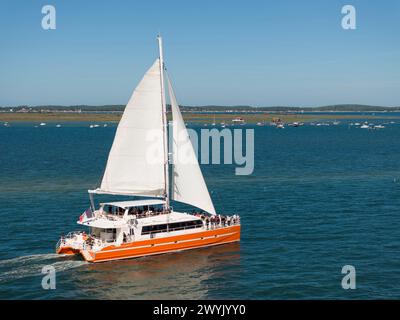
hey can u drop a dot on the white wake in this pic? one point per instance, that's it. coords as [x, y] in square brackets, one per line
[29, 266]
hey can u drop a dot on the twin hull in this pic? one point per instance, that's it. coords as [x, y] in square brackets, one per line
[161, 245]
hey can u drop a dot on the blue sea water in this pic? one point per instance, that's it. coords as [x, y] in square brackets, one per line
[319, 198]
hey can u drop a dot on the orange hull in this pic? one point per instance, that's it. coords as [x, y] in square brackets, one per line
[67, 250]
[164, 245]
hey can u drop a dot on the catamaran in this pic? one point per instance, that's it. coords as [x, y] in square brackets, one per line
[138, 165]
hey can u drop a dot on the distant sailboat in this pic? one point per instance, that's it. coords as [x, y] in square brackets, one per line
[296, 124]
[238, 120]
[135, 228]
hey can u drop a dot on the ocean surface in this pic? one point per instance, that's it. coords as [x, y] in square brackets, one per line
[320, 197]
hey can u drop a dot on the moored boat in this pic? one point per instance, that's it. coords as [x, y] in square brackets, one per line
[280, 126]
[238, 120]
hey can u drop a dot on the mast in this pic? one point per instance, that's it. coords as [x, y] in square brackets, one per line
[164, 117]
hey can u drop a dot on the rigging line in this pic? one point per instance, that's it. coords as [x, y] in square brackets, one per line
[170, 143]
[164, 117]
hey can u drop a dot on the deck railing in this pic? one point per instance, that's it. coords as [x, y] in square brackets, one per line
[58, 244]
[69, 235]
[217, 225]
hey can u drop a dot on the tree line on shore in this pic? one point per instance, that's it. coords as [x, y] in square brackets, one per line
[208, 108]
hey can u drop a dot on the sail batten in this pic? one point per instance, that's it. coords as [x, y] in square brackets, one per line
[188, 185]
[135, 165]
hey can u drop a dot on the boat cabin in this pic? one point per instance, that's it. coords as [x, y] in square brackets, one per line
[126, 221]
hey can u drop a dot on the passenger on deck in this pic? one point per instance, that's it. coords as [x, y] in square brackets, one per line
[212, 220]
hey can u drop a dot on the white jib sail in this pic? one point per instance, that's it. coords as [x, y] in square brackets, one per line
[135, 164]
[187, 181]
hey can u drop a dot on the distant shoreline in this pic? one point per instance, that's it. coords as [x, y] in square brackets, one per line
[189, 117]
[345, 108]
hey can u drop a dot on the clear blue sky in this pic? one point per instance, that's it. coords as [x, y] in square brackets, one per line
[217, 52]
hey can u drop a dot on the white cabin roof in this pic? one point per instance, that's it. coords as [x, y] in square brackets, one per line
[104, 223]
[134, 203]
[174, 216]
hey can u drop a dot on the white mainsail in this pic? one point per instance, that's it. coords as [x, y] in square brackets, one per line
[135, 164]
[187, 181]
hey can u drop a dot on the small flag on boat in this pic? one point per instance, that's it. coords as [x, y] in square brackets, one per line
[86, 215]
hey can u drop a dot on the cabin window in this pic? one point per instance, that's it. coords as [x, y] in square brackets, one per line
[172, 226]
[113, 210]
[154, 228]
[186, 224]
